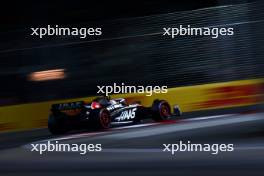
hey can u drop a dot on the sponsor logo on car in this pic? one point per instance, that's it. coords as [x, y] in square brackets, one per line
[127, 115]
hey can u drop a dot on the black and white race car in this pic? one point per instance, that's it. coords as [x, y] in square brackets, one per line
[103, 113]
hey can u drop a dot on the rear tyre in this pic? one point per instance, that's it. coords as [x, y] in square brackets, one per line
[101, 118]
[58, 124]
[161, 110]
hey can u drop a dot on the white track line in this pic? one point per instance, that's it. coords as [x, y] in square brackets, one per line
[208, 117]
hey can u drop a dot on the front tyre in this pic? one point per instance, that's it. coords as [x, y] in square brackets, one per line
[161, 110]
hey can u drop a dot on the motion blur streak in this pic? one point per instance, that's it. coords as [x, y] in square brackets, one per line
[47, 75]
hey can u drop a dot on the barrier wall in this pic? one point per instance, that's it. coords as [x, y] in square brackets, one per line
[190, 98]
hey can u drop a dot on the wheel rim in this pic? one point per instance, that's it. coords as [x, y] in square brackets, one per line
[104, 119]
[164, 110]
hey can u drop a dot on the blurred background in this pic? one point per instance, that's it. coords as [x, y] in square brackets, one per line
[131, 50]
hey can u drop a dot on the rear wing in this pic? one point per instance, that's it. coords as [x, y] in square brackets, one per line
[71, 108]
[67, 106]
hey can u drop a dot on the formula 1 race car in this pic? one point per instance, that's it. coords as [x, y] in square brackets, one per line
[103, 113]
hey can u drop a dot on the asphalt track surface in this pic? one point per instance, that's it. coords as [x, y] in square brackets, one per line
[138, 150]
